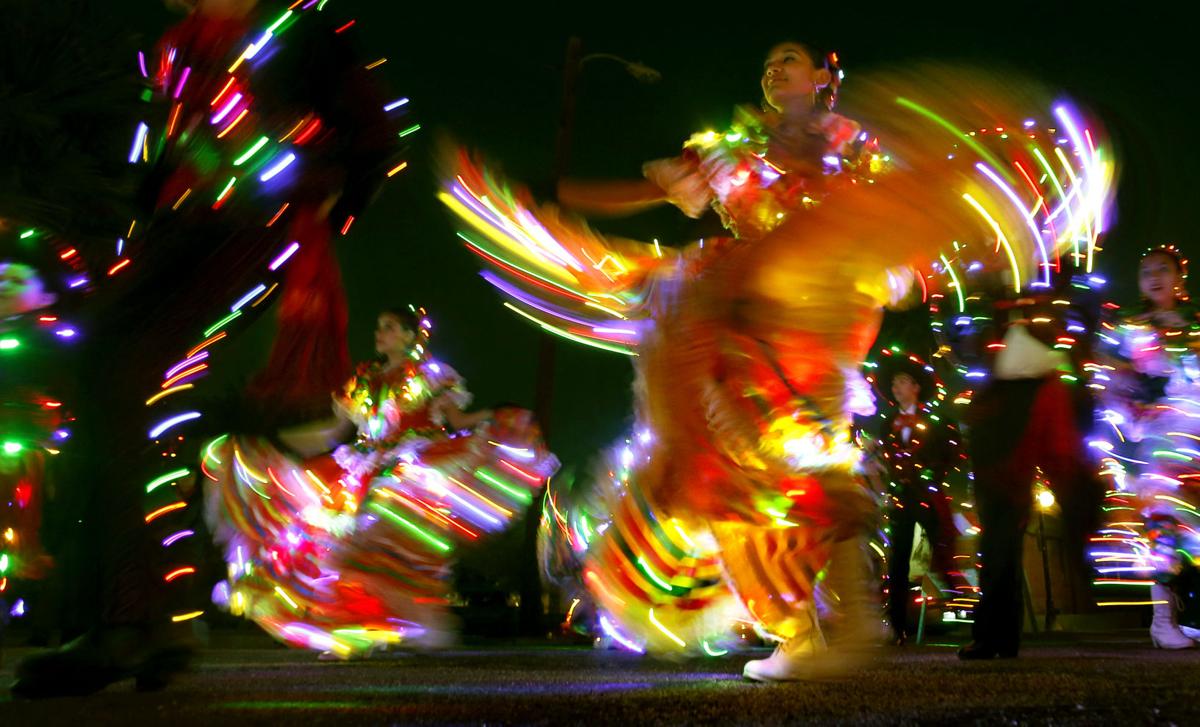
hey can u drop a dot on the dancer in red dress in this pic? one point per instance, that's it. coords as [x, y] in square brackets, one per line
[350, 551]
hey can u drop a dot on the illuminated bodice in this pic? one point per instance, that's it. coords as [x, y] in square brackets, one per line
[759, 176]
[1168, 353]
[390, 406]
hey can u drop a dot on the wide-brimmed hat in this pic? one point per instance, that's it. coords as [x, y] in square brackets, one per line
[887, 363]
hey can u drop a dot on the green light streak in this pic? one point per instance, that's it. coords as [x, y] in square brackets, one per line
[287, 14]
[657, 579]
[516, 494]
[962, 302]
[1168, 454]
[955, 132]
[222, 323]
[262, 141]
[228, 186]
[156, 483]
[208, 452]
[410, 527]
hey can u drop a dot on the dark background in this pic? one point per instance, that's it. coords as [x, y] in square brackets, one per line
[493, 79]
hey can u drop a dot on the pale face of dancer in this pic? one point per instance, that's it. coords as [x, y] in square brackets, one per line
[1160, 280]
[791, 79]
[21, 290]
[906, 390]
[393, 338]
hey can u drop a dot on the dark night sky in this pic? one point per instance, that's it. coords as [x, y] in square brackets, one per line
[494, 82]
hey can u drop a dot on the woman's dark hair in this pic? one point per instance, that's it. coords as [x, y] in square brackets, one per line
[409, 317]
[1169, 251]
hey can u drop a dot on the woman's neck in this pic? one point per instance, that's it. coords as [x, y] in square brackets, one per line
[798, 111]
[395, 361]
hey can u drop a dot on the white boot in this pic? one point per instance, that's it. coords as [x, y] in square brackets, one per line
[1164, 629]
[792, 659]
[857, 625]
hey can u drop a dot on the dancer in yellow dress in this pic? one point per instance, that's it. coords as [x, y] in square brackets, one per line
[738, 494]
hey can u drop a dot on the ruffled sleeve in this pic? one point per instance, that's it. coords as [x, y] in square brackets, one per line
[348, 400]
[445, 384]
[680, 178]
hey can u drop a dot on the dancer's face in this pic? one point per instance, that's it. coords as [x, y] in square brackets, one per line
[21, 290]
[392, 337]
[906, 390]
[1160, 280]
[790, 76]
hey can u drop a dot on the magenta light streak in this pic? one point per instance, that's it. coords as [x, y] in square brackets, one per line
[233, 101]
[486, 517]
[284, 256]
[184, 364]
[530, 301]
[470, 200]
[615, 331]
[171, 540]
[183, 77]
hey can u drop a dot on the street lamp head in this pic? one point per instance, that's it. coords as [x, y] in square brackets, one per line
[640, 71]
[643, 73]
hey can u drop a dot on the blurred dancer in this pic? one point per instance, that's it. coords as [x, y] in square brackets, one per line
[359, 540]
[737, 493]
[271, 138]
[1026, 417]
[1150, 407]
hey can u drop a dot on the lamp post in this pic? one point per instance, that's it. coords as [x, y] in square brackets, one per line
[572, 66]
[575, 60]
[1045, 501]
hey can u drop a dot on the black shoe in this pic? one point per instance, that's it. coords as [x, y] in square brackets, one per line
[976, 651]
[899, 638]
[99, 658]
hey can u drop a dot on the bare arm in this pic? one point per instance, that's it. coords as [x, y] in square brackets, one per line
[611, 198]
[458, 419]
[314, 438]
[676, 180]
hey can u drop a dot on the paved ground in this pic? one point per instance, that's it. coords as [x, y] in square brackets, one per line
[1099, 680]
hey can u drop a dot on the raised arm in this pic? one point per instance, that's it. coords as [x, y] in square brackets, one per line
[457, 419]
[675, 180]
[313, 438]
[610, 198]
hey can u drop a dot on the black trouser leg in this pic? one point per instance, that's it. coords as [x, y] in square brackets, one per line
[999, 616]
[901, 522]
